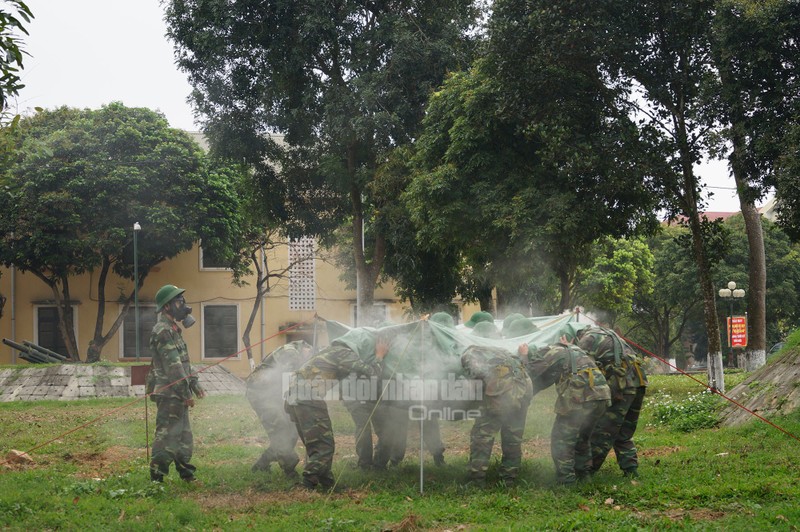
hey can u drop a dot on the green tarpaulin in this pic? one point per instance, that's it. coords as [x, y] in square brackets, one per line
[432, 351]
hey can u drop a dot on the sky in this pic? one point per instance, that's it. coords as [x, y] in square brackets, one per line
[88, 53]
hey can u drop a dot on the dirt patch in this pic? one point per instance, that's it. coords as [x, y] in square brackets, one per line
[103, 464]
[659, 451]
[679, 514]
[409, 523]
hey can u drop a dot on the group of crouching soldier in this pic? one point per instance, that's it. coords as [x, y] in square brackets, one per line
[599, 380]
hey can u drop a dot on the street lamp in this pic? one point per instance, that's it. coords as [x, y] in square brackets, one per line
[730, 295]
[136, 229]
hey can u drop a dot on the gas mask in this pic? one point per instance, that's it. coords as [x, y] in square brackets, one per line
[182, 312]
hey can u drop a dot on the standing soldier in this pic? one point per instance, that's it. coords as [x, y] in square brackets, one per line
[507, 392]
[305, 401]
[628, 382]
[265, 394]
[173, 384]
[583, 396]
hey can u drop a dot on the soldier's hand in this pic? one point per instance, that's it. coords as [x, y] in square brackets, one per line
[189, 402]
[200, 393]
[381, 348]
[523, 350]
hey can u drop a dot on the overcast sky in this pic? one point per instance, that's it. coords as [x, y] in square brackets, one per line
[87, 53]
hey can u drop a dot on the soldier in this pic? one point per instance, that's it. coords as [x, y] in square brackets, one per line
[172, 383]
[305, 402]
[628, 382]
[507, 392]
[392, 424]
[264, 392]
[362, 412]
[583, 396]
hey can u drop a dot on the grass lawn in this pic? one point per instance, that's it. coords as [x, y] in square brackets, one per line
[96, 478]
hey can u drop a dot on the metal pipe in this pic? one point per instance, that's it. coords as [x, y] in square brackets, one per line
[136, 229]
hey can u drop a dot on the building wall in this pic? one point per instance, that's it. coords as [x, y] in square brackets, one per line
[203, 287]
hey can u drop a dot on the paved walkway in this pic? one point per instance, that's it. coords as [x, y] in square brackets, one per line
[76, 381]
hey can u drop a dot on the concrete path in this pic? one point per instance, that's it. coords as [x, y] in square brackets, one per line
[76, 381]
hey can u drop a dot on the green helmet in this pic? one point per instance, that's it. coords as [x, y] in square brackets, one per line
[167, 293]
[444, 319]
[478, 317]
[486, 329]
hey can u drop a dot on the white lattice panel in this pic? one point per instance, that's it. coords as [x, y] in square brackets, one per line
[302, 288]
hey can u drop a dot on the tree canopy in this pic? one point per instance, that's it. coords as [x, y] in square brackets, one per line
[79, 181]
[533, 145]
[343, 82]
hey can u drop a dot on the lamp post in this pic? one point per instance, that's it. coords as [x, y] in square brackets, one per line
[730, 295]
[136, 229]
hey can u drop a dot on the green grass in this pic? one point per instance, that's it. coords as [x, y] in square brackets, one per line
[96, 477]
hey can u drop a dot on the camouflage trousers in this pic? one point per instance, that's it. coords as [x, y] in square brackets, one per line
[510, 423]
[173, 440]
[615, 430]
[314, 428]
[282, 435]
[570, 441]
[391, 427]
[362, 414]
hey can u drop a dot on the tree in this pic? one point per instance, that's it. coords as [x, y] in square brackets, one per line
[622, 268]
[428, 278]
[535, 148]
[663, 48]
[665, 316]
[258, 238]
[345, 82]
[11, 50]
[756, 55]
[79, 181]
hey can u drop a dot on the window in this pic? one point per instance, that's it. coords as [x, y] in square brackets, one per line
[47, 333]
[220, 331]
[147, 319]
[208, 261]
[302, 286]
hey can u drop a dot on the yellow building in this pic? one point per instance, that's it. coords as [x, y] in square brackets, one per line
[222, 310]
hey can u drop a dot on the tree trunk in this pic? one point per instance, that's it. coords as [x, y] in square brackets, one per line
[744, 172]
[565, 287]
[261, 289]
[755, 354]
[366, 272]
[716, 377]
[66, 319]
[97, 342]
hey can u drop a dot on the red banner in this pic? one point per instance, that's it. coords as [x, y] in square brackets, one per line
[737, 331]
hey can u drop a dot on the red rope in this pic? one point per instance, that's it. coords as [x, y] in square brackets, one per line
[145, 397]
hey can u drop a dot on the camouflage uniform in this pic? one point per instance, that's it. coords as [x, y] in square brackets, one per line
[628, 382]
[583, 396]
[507, 392]
[391, 424]
[173, 440]
[306, 406]
[264, 392]
[362, 414]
